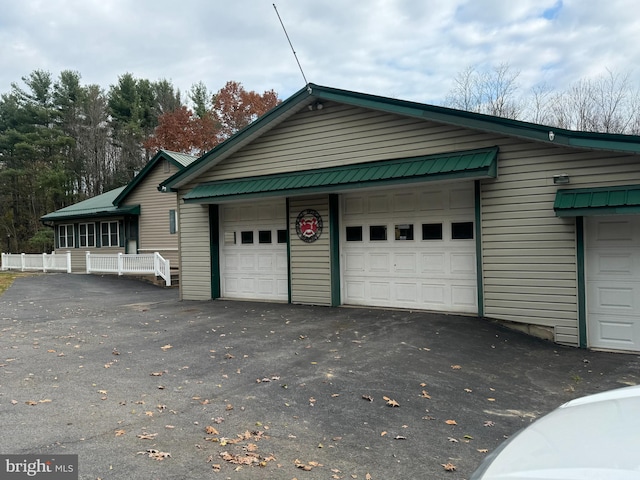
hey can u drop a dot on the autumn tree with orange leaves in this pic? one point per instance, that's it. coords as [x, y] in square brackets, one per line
[232, 108]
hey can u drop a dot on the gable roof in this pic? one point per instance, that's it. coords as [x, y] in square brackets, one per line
[180, 160]
[100, 205]
[315, 93]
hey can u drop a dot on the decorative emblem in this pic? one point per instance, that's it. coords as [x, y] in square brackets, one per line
[309, 225]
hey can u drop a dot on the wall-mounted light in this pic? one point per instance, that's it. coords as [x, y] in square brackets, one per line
[552, 135]
[561, 179]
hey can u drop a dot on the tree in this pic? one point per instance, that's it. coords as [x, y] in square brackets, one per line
[234, 108]
[492, 92]
[182, 131]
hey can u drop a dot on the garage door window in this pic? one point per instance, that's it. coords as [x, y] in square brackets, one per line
[431, 231]
[282, 236]
[462, 230]
[404, 232]
[246, 237]
[354, 234]
[264, 236]
[377, 233]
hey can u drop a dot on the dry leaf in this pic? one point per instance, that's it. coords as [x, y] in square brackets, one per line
[483, 450]
[449, 467]
[166, 347]
[382, 434]
[146, 436]
[456, 367]
[489, 423]
[391, 402]
[425, 394]
[156, 374]
[120, 432]
[450, 422]
[491, 399]
[211, 430]
[367, 397]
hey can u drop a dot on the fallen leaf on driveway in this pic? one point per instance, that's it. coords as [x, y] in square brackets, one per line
[391, 402]
[166, 347]
[367, 397]
[455, 367]
[146, 436]
[450, 422]
[449, 467]
[120, 432]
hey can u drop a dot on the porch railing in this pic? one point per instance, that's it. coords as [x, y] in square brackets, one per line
[131, 264]
[41, 262]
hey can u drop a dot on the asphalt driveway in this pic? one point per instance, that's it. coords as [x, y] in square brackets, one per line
[143, 386]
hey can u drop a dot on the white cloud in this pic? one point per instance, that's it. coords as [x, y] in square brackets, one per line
[399, 48]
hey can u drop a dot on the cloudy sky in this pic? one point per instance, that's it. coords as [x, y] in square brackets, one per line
[407, 49]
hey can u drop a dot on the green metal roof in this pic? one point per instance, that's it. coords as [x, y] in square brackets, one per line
[597, 201]
[180, 160]
[100, 205]
[467, 164]
[487, 123]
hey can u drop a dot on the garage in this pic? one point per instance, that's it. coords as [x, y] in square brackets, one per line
[253, 247]
[410, 248]
[613, 281]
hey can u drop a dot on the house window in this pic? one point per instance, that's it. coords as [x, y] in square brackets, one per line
[432, 231]
[246, 237]
[173, 222]
[109, 234]
[377, 232]
[354, 234]
[404, 232]
[87, 235]
[65, 236]
[264, 236]
[282, 236]
[462, 230]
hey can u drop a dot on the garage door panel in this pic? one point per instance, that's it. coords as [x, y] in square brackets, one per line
[406, 292]
[434, 295]
[613, 282]
[354, 262]
[380, 291]
[464, 297]
[405, 263]
[463, 263]
[434, 263]
[379, 262]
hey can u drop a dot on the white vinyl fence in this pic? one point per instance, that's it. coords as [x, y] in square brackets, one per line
[41, 262]
[132, 264]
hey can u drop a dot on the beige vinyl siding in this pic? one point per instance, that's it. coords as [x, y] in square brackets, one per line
[310, 262]
[339, 135]
[195, 248]
[153, 222]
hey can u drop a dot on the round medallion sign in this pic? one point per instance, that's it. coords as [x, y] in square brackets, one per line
[309, 225]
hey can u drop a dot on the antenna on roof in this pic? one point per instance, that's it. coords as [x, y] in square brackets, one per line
[291, 45]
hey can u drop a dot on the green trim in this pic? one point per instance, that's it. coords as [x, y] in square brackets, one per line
[179, 160]
[582, 285]
[577, 202]
[478, 233]
[214, 249]
[334, 248]
[454, 165]
[486, 123]
[289, 299]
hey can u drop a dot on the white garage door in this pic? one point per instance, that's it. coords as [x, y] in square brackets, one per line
[613, 282]
[410, 248]
[253, 253]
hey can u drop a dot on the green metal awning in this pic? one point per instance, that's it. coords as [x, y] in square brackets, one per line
[579, 202]
[470, 164]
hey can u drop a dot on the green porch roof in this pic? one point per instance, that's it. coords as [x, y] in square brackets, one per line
[579, 202]
[458, 165]
[100, 205]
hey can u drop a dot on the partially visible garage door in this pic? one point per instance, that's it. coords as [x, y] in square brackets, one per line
[253, 252]
[410, 248]
[613, 282]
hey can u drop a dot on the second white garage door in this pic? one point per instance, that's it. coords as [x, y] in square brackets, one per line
[410, 248]
[253, 252]
[613, 282]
